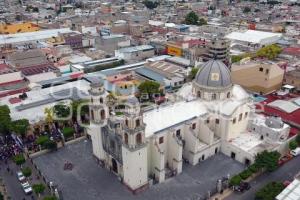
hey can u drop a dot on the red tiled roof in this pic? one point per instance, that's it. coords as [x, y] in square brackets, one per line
[295, 51]
[291, 118]
[38, 69]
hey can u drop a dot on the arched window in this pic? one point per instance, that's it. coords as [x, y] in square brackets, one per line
[198, 94]
[137, 123]
[92, 115]
[92, 100]
[138, 138]
[101, 100]
[214, 96]
[228, 95]
[126, 122]
[102, 114]
[126, 138]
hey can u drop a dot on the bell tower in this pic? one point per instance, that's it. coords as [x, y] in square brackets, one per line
[134, 148]
[98, 117]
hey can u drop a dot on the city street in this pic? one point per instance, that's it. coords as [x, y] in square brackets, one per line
[13, 185]
[286, 172]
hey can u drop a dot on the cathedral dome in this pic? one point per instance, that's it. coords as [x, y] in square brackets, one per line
[213, 74]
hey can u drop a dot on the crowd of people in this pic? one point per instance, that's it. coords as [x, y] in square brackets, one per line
[9, 147]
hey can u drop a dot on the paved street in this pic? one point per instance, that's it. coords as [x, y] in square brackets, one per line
[286, 172]
[13, 186]
[89, 181]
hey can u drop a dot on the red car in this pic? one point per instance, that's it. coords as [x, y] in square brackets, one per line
[284, 159]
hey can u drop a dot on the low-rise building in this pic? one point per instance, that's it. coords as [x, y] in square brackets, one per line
[257, 77]
[135, 53]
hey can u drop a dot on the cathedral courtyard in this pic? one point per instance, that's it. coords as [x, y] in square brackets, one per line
[87, 180]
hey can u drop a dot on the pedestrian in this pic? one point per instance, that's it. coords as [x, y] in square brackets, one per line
[7, 169]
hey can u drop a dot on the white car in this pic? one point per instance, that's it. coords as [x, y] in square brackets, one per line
[27, 188]
[296, 151]
[20, 176]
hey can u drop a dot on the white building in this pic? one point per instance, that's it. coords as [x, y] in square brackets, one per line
[135, 53]
[253, 38]
[141, 147]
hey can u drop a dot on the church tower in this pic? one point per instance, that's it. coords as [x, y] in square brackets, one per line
[98, 117]
[134, 148]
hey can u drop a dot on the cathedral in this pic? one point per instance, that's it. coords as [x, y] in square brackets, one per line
[145, 147]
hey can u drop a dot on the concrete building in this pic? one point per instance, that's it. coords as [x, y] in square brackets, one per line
[218, 48]
[142, 147]
[293, 78]
[135, 53]
[256, 77]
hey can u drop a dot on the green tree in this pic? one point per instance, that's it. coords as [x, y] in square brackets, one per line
[61, 110]
[235, 180]
[202, 22]
[270, 51]
[19, 159]
[49, 115]
[267, 160]
[1, 196]
[245, 174]
[38, 188]
[68, 132]
[42, 140]
[50, 198]
[247, 10]
[193, 72]
[20, 126]
[51, 145]
[293, 145]
[150, 4]
[191, 18]
[26, 171]
[253, 168]
[5, 120]
[149, 88]
[269, 191]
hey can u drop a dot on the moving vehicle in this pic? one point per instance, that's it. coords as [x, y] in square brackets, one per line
[296, 151]
[26, 188]
[20, 176]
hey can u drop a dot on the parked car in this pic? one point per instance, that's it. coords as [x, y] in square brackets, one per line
[20, 176]
[26, 188]
[284, 159]
[242, 187]
[296, 151]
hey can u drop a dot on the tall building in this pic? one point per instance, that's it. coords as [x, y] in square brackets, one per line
[218, 48]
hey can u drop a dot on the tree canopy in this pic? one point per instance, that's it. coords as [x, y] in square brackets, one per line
[149, 88]
[50, 198]
[19, 159]
[150, 4]
[267, 160]
[293, 144]
[270, 51]
[20, 126]
[193, 19]
[26, 171]
[193, 72]
[38, 188]
[61, 110]
[269, 191]
[5, 119]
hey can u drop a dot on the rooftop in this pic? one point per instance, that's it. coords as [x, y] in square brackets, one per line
[32, 36]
